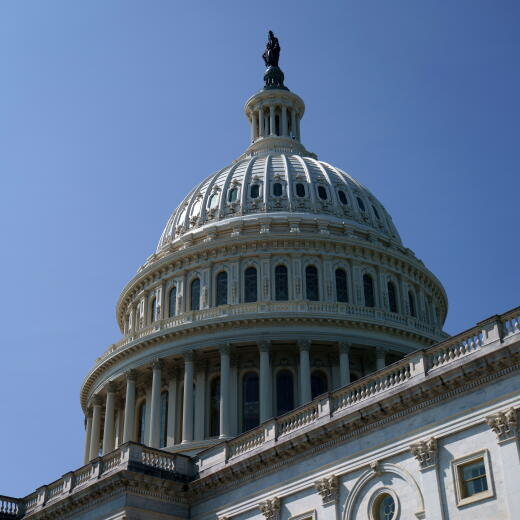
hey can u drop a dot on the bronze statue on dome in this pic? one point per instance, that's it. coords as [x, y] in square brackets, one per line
[271, 54]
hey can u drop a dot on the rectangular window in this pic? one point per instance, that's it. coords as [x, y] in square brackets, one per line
[472, 477]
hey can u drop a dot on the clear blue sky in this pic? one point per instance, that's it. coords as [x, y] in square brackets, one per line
[112, 110]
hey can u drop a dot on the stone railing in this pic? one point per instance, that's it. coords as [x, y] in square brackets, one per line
[335, 309]
[128, 456]
[371, 387]
[10, 507]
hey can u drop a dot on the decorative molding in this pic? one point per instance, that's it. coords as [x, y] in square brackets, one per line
[328, 488]
[425, 452]
[270, 508]
[504, 424]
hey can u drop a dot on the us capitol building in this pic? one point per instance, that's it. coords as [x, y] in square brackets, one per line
[282, 358]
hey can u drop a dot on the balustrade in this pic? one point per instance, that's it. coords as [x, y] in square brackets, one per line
[454, 349]
[9, 506]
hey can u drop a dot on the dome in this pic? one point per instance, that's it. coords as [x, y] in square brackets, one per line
[285, 186]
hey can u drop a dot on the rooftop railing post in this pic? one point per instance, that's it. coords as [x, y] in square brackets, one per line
[42, 496]
[68, 482]
[270, 430]
[492, 329]
[97, 467]
[324, 407]
[419, 363]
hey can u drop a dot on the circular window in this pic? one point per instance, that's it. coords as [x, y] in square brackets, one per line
[384, 507]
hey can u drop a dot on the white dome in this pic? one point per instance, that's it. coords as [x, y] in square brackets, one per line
[282, 184]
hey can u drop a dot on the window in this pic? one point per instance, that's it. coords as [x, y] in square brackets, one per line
[281, 283]
[384, 507]
[284, 392]
[195, 209]
[250, 285]
[392, 297]
[213, 200]
[222, 286]
[319, 384]
[342, 197]
[141, 428]
[277, 189]
[311, 283]
[195, 295]
[250, 401]
[361, 204]
[214, 408]
[300, 189]
[375, 212]
[411, 303]
[153, 309]
[341, 286]
[322, 193]
[255, 191]
[368, 290]
[172, 302]
[472, 477]
[233, 195]
[277, 124]
[164, 420]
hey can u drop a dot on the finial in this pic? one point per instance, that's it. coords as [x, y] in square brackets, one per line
[273, 76]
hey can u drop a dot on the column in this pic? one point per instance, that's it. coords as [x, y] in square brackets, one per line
[380, 358]
[253, 122]
[155, 408]
[233, 391]
[172, 408]
[505, 426]
[147, 415]
[293, 122]
[284, 121]
[129, 425]
[305, 371]
[200, 400]
[344, 363]
[96, 427]
[108, 431]
[187, 412]
[271, 120]
[225, 398]
[298, 128]
[265, 382]
[261, 122]
[426, 454]
[88, 431]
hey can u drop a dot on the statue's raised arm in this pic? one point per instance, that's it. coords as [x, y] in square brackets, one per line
[271, 54]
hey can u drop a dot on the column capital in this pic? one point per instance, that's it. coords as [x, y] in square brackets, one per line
[111, 387]
[328, 488]
[380, 352]
[344, 347]
[225, 348]
[96, 400]
[188, 356]
[504, 424]
[304, 344]
[264, 345]
[131, 375]
[157, 364]
[425, 452]
[270, 508]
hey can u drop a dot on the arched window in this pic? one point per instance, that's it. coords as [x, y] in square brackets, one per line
[411, 303]
[284, 392]
[341, 286]
[392, 297]
[250, 285]
[255, 191]
[281, 283]
[250, 401]
[277, 189]
[172, 302]
[213, 200]
[214, 408]
[311, 283]
[277, 124]
[232, 195]
[141, 427]
[221, 288]
[375, 212]
[322, 193]
[360, 203]
[153, 310]
[164, 420]
[368, 289]
[342, 197]
[195, 295]
[319, 383]
[300, 189]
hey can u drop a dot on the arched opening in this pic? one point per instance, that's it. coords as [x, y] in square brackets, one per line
[361, 204]
[164, 420]
[222, 288]
[392, 297]
[300, 189]
[172, 302]
[322, 193]
[376, 212]
[255, 191]
[341, 286]
[281, 283]
[141, 426]
[319, 383]
[153, 310]
[214, 408]
[250, 401]
[277, 189]
[233, 195]
[342, 197]
[213, 200]
[311, 283]
[195, 295]
[411, 303]
[368, 290]
[284, 392]
[277, 124]
[250, 285]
